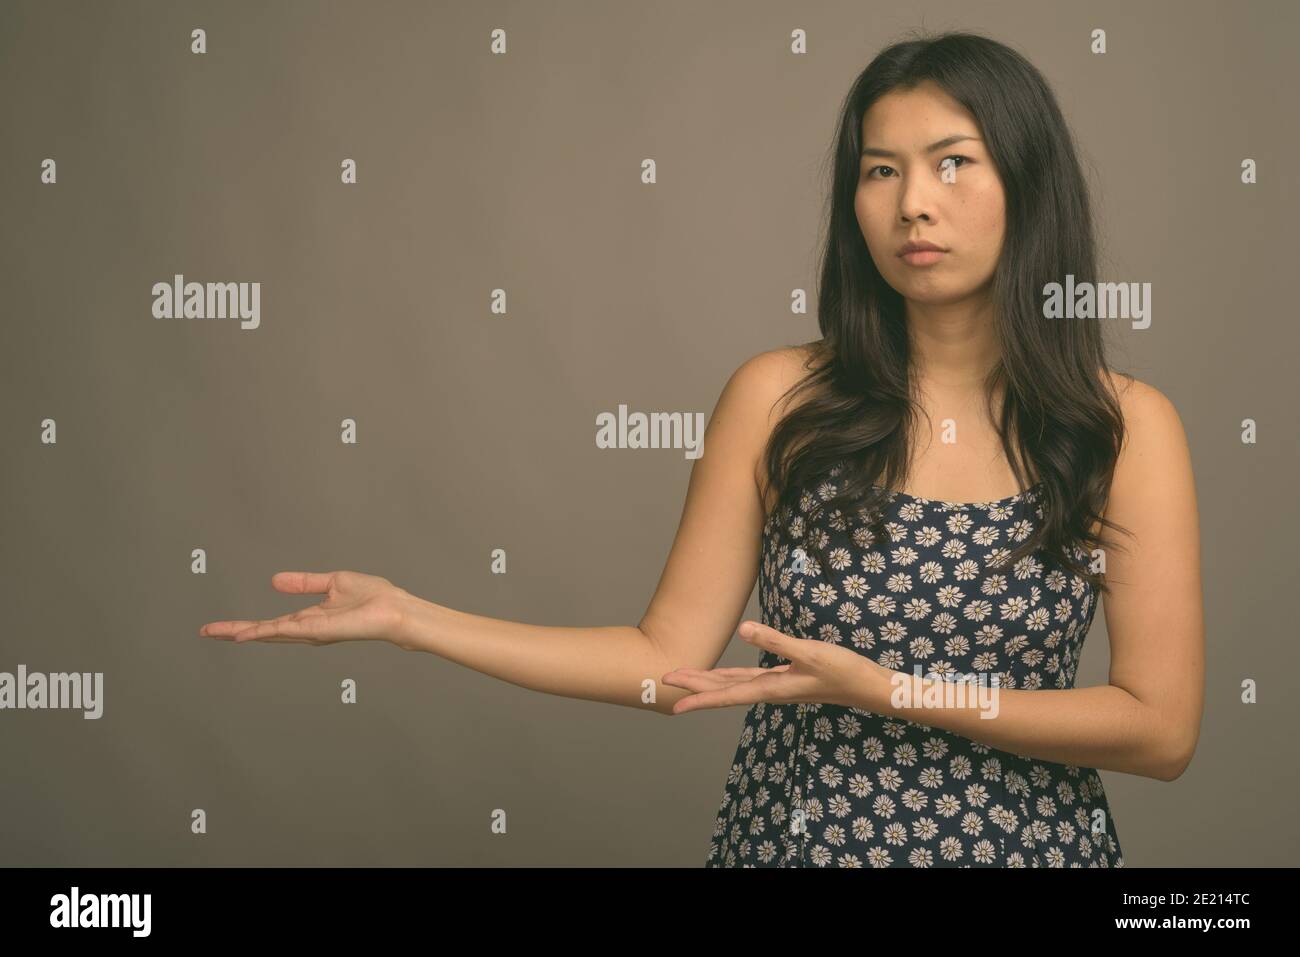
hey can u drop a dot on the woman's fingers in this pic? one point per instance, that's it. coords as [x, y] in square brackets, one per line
[768, 684]
[694, 679]
[287, 626]
[697, 680]
[298, 624]
[746, 672]
[292, 583]
[224, 629]
[302, 583]
[357, 607]
[742, 692]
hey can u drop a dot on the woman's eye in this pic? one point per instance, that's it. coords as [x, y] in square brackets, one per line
[948, 162]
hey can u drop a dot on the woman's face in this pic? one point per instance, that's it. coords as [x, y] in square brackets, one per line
[917, 181]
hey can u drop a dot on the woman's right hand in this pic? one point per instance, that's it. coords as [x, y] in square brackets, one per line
[357, 607]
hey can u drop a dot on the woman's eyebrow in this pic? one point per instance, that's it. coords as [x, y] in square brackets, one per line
[945, 142]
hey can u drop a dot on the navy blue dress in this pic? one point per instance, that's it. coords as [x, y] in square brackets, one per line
[820, 785]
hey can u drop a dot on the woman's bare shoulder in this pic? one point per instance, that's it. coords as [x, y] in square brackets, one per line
[761, 392]
[1155, 459]
[1144, 408]
[771, 374]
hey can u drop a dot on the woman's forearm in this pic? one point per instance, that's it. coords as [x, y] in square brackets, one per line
[617, 664]
[1100, 726]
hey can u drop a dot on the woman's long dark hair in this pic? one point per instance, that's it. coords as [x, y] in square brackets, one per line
[1058, 422]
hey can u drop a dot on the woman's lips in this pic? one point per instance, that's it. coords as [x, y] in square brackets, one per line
[923, 257]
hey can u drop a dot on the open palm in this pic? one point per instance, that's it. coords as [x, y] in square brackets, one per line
[818, 671]
[357, 607]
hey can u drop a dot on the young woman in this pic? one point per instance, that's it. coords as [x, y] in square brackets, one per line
[921, 495]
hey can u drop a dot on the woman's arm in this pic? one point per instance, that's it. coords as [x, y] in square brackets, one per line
[706, 582]
[702, 592]
[1146, 720]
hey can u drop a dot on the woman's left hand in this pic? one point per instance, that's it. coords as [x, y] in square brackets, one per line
[818, 672]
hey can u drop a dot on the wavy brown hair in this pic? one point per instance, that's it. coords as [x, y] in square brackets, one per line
[1058, 421]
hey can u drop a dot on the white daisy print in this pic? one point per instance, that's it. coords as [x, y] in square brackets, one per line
[818, 785]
